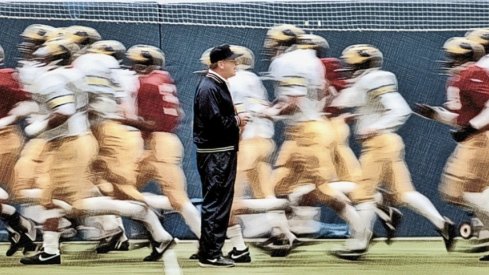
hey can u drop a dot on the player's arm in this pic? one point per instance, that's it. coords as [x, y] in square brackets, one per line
[62, 106]
[396, 110]
[290, 90]
[476, 124]
[140, 124]
[436, 113]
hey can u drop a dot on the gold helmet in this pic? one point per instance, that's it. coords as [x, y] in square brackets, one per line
[361, 57]
[32, 38]
[205, 58]
[81, 35]
[246, 60]
[2, 56]
[459, 51]
[60, 50]
[280, 37]
[315, 42]
[56, 33]
[480, 36]
[109, 47]
[146, 58]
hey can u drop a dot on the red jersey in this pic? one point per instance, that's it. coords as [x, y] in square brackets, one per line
[333, 75]
[10, 91]
[334, 78]
[158, 102]
[473, 83]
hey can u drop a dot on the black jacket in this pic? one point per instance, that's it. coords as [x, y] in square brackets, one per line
[216, 125]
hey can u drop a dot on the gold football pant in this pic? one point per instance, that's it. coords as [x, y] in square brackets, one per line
[30, 169]
[119, 150]
[346, 163]
[10, 146]
[467, 169]
[306, 157]
[68, 162]
[254, 167]
[163, 162]
[382, 161]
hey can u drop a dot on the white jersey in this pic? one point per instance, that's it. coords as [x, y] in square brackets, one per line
[379, 105]
[128, 81]
[28, 72]
[300, 73]
[249, 95]
[61, 88]
[98, 72]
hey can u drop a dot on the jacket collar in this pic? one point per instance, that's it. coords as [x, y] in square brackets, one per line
[216, 77]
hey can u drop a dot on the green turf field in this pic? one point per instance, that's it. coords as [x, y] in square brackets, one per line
[402, 257]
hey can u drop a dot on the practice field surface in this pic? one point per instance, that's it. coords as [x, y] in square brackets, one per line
[402, 257]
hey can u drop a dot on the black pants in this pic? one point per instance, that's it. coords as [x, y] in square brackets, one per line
[218, 174]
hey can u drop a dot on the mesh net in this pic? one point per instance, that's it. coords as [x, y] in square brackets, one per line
[340, 15]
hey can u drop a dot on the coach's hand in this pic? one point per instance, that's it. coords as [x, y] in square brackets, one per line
[243, 119]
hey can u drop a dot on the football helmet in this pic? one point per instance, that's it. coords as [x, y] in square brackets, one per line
[145, 58]
[32, 38]
[60, 51]
[281, 37]
[81, 35]
[109, 47]
[2, 56]
[205, 58]
[312, 41]
[459, 51]
[361, 57]
[480, 36]
[247, 59]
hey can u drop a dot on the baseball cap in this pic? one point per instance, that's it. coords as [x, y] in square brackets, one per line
[222, 52]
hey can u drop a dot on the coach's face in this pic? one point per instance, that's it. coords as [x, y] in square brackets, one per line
[227, 67]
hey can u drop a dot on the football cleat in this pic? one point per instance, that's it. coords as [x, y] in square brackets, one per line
[239, 256]
[113, 243]
[42, 258]
[216, 262]
[348, 254]
[158, 249]
[448, 233]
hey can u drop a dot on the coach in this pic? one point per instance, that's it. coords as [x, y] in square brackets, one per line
[216, 135]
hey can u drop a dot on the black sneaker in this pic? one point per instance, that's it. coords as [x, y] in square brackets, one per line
[347, 254]
[279, 246]
[158, 249]
[216, 262]
[274, 241]
[484, 258]
[391, 225]
[19, 240]
[42, 259]
[113, 243]
[194, 256]
[239, 256]
[448, 233]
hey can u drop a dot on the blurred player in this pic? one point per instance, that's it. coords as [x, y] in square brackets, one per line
[71, 149]
[305, 155]
[381, 111]
[347, 165]
[119, 149]
[21, 231]
[157, 104]
[464, 180]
